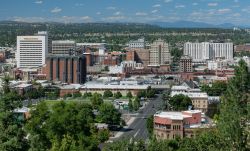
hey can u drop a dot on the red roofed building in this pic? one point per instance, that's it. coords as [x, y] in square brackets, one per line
[169, 125]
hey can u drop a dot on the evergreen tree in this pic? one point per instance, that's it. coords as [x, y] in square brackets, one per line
[12, 136]
[129, 95]
[118, 95]
[107, 94]
[233, 113]
[130, 105]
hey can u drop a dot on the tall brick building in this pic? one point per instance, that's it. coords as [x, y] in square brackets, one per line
[139, 56]
[186, 64]
[67, 69]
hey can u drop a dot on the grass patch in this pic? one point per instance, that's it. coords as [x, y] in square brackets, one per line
[50, 103]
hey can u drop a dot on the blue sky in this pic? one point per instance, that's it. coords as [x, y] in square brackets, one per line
[209, 11]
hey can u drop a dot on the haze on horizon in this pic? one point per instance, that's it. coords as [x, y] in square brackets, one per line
[142, 11]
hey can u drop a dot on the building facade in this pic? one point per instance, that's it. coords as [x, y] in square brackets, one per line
[67, 69]
[170, 125]
[138, 55]
[208, 51]
[63, 47]
[159, 53]
[31, 51]
[2, 56]
[186, 64]
[140, 43]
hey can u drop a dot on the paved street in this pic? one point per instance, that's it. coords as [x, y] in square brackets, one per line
[138, 128]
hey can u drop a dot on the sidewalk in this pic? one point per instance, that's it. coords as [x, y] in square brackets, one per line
[119, 134]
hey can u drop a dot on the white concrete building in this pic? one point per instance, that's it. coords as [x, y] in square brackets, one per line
[247, 60]
[31, 51]
[140, 43]
[216, 64]
[208, 51]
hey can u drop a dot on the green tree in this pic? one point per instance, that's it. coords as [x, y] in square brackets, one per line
[108, 114]
[77, 94]
[12, 136]
[129, 95]
[150, 93]
[103, 135]
[66, 126]
[150, 125]
[6, 83]
[141, 94]
[87, 94]
[130, 105]
[118, 95]
[217, 88]
[233, 112]
[128, 145]
[107, 94]
[136, 104]
[180, 102]
[38, 138]
[96, 100]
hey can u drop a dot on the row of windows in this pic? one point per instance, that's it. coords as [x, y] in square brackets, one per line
[176, 127]
[30, 47]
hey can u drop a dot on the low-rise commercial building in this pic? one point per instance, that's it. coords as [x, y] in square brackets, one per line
[170, 125]
[114, 87]
[199, 99]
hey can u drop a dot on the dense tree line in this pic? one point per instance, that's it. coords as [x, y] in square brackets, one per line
[216, 89]
[117, 33]
[64, 126]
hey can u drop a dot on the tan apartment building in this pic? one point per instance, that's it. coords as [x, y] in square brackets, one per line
[159, 53]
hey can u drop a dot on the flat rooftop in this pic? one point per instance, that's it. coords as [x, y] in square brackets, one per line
[172, 115]
[94, 85]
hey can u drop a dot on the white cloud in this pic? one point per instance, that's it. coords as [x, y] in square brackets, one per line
[212, 4]
[154, 11]
[180, 6]
[38, 2]
[156, 5]
[224, 10]
[168, 1]
[195, 4]
[114, 18]
[111, 8]
[246, 10]
[86, 18]
[28, 19]
[236, 14]
[56, 10]
[79, 4]
[141, 14]
[117, 13]
[98, 13]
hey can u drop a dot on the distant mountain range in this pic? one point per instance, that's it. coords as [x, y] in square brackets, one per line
[177, 24]
[190, 24]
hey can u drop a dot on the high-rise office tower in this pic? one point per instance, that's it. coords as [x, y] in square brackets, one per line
[208, 51]
[32, 50]
[159, 53]
[63, 47]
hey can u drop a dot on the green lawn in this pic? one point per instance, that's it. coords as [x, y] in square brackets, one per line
[50, 103]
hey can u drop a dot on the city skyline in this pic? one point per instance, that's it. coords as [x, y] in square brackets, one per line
[77, 11]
